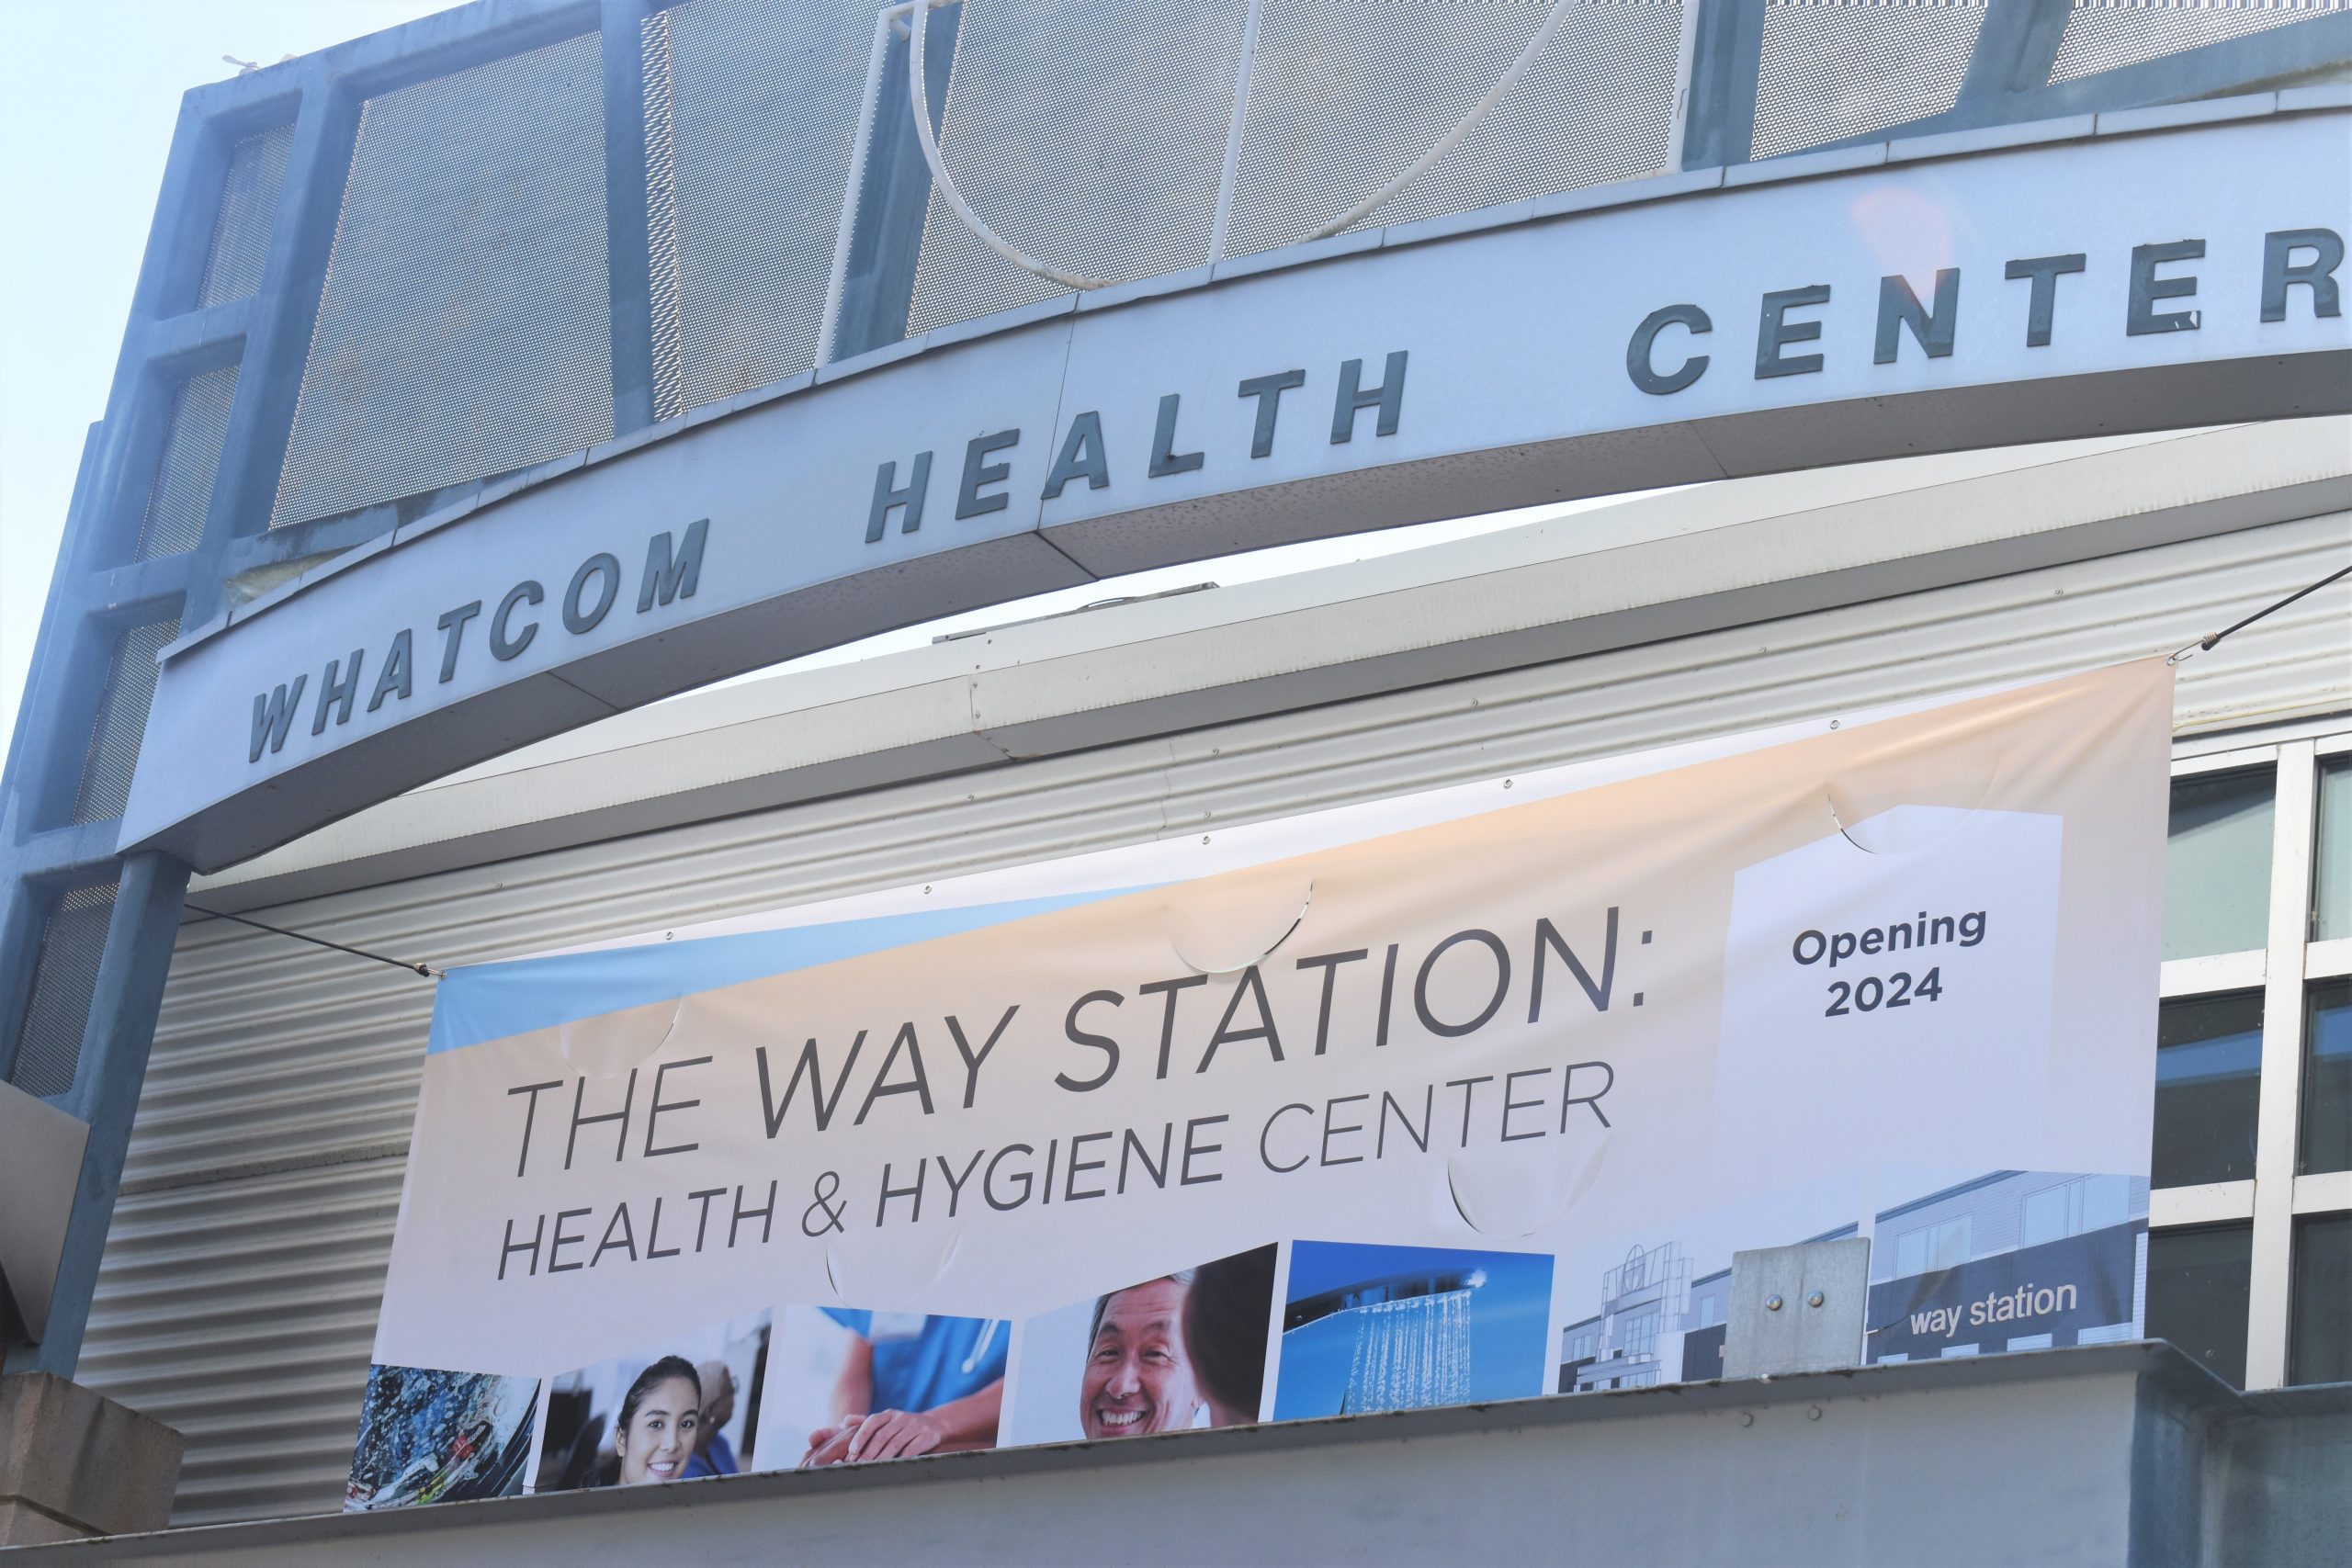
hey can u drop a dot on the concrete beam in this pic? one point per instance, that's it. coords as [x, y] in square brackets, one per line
[74, 1464]
[2095, 1455]
[1637, 572]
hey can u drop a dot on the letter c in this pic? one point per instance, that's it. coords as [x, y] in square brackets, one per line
[524, 592]
[1266, 1158]
[1637, 352]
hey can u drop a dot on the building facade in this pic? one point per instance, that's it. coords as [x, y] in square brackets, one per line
[431, 271]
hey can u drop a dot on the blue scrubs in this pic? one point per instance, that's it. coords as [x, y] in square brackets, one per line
[922, 1363]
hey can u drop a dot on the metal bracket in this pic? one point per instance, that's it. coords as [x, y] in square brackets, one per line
[1797, 1309]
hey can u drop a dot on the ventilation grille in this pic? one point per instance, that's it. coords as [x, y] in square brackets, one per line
[1832, 69]
[183, 487]
[121, 721]
[752, 113]
[248, 212]
[464, 329]
[662, 282]
[49, 1047]
[1091, 135]
[1346, 94]
[2104, 36]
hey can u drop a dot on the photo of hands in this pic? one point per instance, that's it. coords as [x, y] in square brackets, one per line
[846, 1386]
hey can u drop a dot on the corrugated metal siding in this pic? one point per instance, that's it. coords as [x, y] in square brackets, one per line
[238, 1293]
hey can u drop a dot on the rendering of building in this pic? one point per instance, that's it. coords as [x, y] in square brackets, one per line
[581, 471]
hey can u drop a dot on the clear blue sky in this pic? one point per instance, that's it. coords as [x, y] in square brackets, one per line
[94, 88]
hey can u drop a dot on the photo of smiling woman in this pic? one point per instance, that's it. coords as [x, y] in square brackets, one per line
[686, 1407]
[654, 1435]
[1184, 1349]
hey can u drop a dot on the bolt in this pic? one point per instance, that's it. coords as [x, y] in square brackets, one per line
[1772, 1303]
[1814, 1300]
[1812, 1413]
[1747, 1418]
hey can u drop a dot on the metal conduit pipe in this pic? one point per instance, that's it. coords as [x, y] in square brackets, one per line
[980, 230]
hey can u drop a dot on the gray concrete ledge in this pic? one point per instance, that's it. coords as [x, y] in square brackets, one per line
[2065, 1449]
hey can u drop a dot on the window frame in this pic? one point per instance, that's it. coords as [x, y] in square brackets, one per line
[2283, 970]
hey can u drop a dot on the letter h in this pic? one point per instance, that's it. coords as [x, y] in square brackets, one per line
[1389, 395]
[886, 498]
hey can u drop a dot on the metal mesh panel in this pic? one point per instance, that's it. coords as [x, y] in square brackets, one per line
[1837, 68]
[752, 113]
[464, 327]
[121, 721]
[247, 214]
[1344, 93]
[50, 1044]
[191, 457]
[1091, 135]
[2103, 35]
[662, 282]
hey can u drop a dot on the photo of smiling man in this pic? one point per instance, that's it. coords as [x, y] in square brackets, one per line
[1146, 1357]
[1139, 1377]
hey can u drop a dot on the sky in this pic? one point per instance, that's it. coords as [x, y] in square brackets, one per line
[92, 99]
[91, 109]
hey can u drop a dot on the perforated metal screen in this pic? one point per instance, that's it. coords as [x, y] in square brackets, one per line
[120, 721]
[49, 1046]
[1345, 93]
[247, 214]
[1090, 134]
[464, 329]
[2102, 35]
[1837, 68]
[182, 490]
[751, 114]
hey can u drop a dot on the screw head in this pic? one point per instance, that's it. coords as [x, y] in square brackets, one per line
[1814, 1300]
[1772, 1303]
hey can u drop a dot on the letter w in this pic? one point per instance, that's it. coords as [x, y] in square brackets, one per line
[821, 1104]
[272, 713]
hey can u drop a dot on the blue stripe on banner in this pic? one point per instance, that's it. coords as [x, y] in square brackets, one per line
[491, 1001]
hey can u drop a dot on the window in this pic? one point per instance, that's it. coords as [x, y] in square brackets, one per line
[2198, 1281]
[2254, 1061]
[2217, 864]
[2322, 1350]
[1930, 1247]
[2085, 1203]
[1640, 1331]
[2332, 864]
[2208, 1086]
[2327, 1078]
[1710, 1312]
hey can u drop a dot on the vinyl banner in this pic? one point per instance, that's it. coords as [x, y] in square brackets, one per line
[1464, 1096]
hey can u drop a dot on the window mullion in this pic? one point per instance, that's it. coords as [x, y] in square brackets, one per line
[2268, 1305]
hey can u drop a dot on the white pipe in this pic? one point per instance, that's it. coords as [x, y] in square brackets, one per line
[1453, 138]
[922, 15]
[963, 209]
